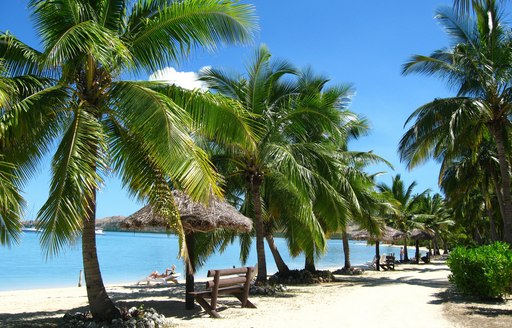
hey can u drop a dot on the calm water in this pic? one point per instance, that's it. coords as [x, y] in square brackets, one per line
[126, 257]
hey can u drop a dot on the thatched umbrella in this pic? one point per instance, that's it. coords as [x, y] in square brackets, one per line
[417, 235]
[195, 217]
[387, 235]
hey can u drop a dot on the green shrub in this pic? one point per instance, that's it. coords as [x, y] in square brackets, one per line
[485, 271]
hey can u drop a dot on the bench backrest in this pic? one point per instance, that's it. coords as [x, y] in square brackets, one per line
[237, 276]
[234, 277]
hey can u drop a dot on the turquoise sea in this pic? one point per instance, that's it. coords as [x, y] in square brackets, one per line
[126, 257]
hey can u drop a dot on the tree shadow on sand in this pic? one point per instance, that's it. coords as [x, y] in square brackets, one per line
[474, 312]
[168, 300]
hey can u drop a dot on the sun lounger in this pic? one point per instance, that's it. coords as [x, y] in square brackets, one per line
[160, 280]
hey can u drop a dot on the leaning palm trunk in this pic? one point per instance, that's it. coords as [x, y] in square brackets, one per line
[255, 185]
[346, 250]
[497, 131]
[102, 308]
[281, 265]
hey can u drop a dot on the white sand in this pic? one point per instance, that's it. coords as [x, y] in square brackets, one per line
[407, 297]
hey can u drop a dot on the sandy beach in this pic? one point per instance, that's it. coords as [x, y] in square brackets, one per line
[411, 296]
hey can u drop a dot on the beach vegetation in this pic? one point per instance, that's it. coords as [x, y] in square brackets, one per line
[294, 182]
[404, 207]
[484, 272]
[477, 65]
[96, 123]
[437, 219]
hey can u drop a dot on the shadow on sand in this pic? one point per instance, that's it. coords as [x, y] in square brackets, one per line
[168, 300]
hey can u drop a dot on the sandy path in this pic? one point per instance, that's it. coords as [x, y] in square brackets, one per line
[402, 298]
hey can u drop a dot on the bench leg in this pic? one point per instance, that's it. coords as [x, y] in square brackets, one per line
[247, 304]
[207, 307]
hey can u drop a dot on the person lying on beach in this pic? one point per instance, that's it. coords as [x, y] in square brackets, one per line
[167, 273]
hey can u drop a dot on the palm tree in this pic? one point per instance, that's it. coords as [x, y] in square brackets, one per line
[465, 6]
[284, 157]
[102, 124]
[475, 172]
[435, 217]
[404, 206]
[478, 65]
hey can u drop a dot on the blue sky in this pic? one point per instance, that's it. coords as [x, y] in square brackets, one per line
[359, 42]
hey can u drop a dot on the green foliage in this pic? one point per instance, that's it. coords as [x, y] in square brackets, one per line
[485, 271]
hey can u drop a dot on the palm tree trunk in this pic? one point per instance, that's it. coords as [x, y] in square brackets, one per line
[255, 185]
[190, 270]
[436, 245]
[281, 265]
[377, 255]
[406, 253]
[499, 195]
[497, 130]
[346, 249]
[310, 263]
[417, 253]
[445, 246]
[101, 306]
[487, 204]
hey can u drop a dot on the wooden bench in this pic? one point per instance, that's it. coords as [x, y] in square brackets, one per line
[234, 281]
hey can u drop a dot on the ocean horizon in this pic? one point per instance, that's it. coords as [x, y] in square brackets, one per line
[126, 257]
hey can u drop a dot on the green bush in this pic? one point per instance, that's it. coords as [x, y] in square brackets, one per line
[485, 271]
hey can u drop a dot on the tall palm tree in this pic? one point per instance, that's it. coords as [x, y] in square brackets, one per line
[478, 65]
[404, 205]
[140, 130]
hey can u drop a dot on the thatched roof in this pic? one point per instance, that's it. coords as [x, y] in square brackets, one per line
[195, 217]
[389, 234]
[418, 234]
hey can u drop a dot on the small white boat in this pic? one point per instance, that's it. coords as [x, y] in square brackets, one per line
[29, 229]
[99, 231]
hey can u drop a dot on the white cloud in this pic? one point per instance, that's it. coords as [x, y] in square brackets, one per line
[187, 80]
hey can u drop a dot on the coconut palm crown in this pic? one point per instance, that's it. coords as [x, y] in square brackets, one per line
[478, 65]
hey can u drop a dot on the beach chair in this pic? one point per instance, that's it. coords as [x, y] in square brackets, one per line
[173, 277]
[372, 264]
[387, 262]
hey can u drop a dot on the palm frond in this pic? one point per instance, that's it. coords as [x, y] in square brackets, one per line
[11, 205]
[73, 184]
[161, 33]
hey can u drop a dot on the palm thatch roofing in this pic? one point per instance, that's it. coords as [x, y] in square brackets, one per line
[195, 216]
[388, 235]
[418, 234]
